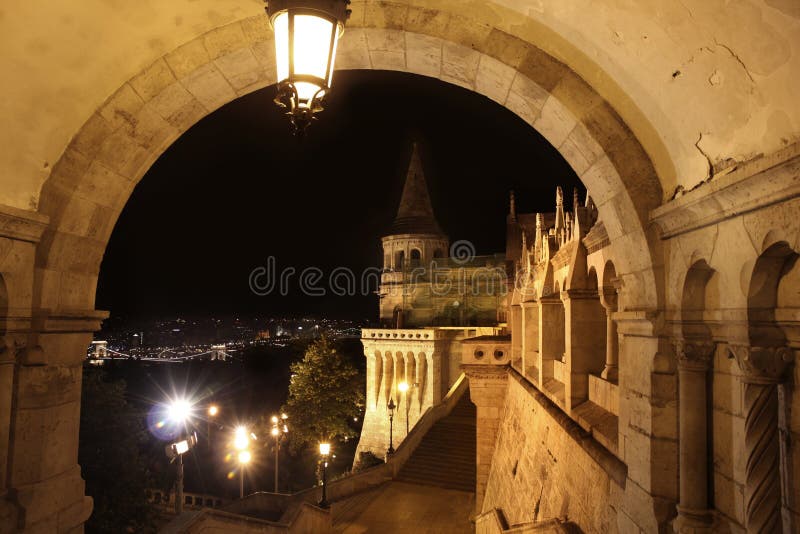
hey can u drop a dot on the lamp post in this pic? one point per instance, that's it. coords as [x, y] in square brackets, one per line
[324, 451]
[279, 429]
[306, 36]
[244, 459]
[178, 412]
[391, 406]
[241, 441]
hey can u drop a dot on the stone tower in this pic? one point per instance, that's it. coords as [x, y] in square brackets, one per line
[414, 240]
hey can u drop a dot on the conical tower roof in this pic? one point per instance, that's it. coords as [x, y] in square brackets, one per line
[415, 214]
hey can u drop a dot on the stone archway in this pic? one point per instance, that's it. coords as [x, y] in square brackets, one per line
[95, 176]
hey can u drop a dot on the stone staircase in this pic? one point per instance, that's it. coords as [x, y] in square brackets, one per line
[446, 455]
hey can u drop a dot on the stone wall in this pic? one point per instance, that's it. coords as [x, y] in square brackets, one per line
[544, 467]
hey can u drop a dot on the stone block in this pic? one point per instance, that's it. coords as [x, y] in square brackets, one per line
[579, 149]
[426, 21]
[209, 86]
[506, 48]
[555, 121]
[352, 52]
[122, 154]
[152, 80]
[224, 40]
[459, 63]
[466, 32]
[121, 109]
[385, 60]
[69, 170]
[187, 58]
[264, 52]
[257, 29]
[494, 79]
[385, 40]
[424, 55]
[542, 68]
[240, 68]
[385, 15]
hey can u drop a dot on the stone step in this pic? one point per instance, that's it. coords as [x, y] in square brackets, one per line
[446, 455]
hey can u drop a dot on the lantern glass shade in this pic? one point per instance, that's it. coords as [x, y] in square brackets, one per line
[305, 48]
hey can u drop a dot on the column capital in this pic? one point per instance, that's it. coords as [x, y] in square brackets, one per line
[762, 365]
[694, 355]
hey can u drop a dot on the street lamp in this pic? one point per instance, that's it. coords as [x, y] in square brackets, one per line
[179, 411]
[391, 406]
[279, 429]
[306, 36]
[324, 451]
[244, 459]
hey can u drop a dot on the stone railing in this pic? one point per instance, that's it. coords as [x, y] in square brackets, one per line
[297, 518]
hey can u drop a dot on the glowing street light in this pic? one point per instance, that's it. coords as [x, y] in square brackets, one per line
[324, 451]
[240, 438]
[244, 458]
[306, 36]
[213, 410]
[179, 411]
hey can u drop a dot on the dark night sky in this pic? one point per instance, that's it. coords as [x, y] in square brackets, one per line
[238, 188]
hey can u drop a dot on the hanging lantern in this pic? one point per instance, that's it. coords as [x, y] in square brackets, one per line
[306, 35]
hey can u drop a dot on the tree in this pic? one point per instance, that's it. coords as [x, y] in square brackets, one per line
[109, 454]
[326, 393]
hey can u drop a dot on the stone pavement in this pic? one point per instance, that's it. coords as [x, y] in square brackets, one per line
[403, 507]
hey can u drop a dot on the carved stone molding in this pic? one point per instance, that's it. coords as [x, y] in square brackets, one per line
[22, 225]
[763, 365]
[694, 355]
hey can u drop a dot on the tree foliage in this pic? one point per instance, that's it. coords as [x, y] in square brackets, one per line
[109, 454]
[326, 392]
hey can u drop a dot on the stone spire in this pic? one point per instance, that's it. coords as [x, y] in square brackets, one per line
[575, 200]
[559, 226]
[415, 214]
[512, 207]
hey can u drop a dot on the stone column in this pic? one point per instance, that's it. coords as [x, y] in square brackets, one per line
[551, 334]
[434, 378]
[763, 369]
[530, 338]
[694, 362]
[584, 343]
[608, 298]
[422, 380]
[386, 379]
[488, 385]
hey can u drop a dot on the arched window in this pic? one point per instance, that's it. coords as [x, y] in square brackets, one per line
[399, 260]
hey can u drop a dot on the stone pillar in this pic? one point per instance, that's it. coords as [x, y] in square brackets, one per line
[386, 379]
[608, 298]
[551, 334]
[44, 478]
[585, 328]
[488, 385]
[7, 511]
[763, 369]
[530, 339]
[516, 335]
[422, 380]
[694, 362]
[434, 378]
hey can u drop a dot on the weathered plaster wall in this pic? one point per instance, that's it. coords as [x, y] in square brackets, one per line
[731, 96]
